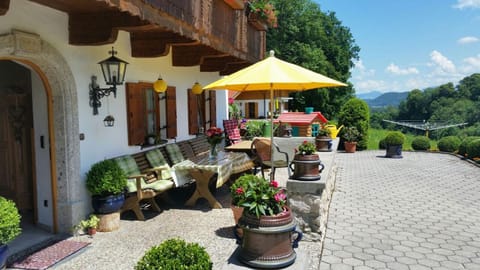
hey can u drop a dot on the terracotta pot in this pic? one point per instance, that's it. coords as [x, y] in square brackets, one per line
[323, 144]
[350, 147]
[267, 240]
[91, 231]
[306, 167]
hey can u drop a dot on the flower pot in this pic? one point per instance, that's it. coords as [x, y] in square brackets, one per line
[350, 147]
[3, 256]
[91, 231]
[306, 167]
[237, 214]
[107, 204]
[394, 151]
[255, 20]
[323, 144]
[267, 240]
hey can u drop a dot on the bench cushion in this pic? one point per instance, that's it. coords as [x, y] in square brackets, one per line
[128, 165]
[174, 153]
[157, 160]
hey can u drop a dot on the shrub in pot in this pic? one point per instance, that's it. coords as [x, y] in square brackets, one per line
[421, 143]
[106, 181]
[9, 226]
[175, 254]
[323, 141]
[394, 141]
[351, 136]
[449, 144]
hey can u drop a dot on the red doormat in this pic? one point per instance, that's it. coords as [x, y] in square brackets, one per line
[49, 256]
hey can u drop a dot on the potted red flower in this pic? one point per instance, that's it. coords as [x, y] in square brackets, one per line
[214, 137]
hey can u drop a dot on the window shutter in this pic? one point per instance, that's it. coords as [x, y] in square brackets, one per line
[171, 112]
[135, 114]
[192, 113]
[213, 108]
[256, 109]
[247, 111]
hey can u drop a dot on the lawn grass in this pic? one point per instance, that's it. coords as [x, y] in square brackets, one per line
[375, 135]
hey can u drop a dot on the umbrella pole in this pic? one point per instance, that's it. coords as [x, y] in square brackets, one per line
[272, 169]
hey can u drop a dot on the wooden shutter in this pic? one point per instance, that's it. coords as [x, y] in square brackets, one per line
[213, 108]
[192, 113]
[247, 112]
[171, 112]
[256, 109]
[135, 114]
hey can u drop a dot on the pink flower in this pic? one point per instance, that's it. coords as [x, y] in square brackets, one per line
[239, 190]
[305, 142]
[280, 197]
[274, 184]
[230, 101]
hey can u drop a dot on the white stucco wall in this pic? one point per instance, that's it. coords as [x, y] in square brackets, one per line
[102, 142]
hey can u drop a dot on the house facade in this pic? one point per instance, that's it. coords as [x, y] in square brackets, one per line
[49, 51]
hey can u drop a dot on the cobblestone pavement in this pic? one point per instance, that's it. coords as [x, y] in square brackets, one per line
[419, 212]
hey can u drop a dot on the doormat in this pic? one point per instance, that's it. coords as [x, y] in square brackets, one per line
[49, 256]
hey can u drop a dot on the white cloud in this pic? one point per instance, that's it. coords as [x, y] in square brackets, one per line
[394, 69]
[461, 4]
[362, 71]
[442, 63]
[472, 64]
[466, 40]
[370, 85]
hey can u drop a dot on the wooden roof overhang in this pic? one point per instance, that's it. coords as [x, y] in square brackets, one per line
[211, 33]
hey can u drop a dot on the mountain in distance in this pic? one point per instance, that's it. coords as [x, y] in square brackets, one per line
[369, 95]
[384, 99]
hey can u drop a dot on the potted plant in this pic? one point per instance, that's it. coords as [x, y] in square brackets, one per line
[90, 224]
[323, 141]
[267, 224]
[175, 254]
[260, 12]
[306, 162]
[393, 142]
[106, 181]
[351, 136]
[9, 227]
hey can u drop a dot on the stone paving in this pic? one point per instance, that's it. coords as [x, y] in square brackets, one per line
[419, 212]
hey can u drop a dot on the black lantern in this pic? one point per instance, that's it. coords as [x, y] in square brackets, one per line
[113, 70]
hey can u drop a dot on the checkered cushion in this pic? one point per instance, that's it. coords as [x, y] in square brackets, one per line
[156, 160]
[231, 128]
[128, 165]
[174, 153]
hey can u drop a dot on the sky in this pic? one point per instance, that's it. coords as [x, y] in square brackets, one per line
[410, 44]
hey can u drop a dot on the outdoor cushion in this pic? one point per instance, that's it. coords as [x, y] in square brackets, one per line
[157, 160]
[174, 153]
[128, 165]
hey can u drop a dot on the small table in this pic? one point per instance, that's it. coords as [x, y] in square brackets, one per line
[243, 146]
[227, 163]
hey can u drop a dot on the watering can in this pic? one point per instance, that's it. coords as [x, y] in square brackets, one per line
[333, 130]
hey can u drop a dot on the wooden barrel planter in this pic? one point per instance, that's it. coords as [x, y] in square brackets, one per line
[267, 240]
[306, 167]
[323, 144]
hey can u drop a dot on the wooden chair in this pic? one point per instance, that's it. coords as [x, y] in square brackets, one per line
[261, 155]
[141, 186]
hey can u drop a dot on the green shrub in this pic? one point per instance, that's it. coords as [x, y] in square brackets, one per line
[449, 144]
[106, 178]
[254, 129]
[462, 148]
[9, 221]
[394, 138]
[355, 113]
[382, 144]
[473, 149]
[421, 143]
[175, 254]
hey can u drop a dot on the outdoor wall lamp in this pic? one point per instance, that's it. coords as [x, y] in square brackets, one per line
[197, 88]
[109, 121]
[160, 86]
[113, 70]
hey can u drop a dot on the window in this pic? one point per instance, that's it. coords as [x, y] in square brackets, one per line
[251, 110]
[145, 113]
[201, 111]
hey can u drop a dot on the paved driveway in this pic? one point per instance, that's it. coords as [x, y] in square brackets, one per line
[419, 212]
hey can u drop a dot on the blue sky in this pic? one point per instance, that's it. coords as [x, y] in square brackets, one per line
[409, 44]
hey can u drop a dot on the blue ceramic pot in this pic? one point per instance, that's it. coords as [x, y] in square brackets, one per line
[3, 256]
[108, 204]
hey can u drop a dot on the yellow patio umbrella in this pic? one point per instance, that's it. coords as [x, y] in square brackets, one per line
[273, 74]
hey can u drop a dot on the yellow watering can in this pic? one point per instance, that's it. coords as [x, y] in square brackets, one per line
[333, 130]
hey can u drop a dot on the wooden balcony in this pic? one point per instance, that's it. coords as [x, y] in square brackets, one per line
[214, 34]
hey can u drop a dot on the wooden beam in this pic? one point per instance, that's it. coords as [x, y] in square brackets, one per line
[155, 43]
[233, 67]
[216, 63]
[4, 6]
[191, 55]
[99, 28]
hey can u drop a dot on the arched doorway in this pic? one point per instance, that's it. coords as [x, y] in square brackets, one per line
[52, 72]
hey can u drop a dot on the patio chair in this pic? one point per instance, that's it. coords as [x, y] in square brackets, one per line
[142, 186]
[261, 156]
[232, 132]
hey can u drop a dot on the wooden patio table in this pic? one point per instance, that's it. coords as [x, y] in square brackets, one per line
[243, 146]
[226, 164]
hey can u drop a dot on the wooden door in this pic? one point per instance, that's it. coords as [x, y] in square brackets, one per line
[16, 179]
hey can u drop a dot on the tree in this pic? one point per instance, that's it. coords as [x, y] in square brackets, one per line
[315, 40]
[355, 113]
